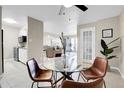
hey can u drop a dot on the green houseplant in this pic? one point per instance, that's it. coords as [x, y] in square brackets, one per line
[107, 50]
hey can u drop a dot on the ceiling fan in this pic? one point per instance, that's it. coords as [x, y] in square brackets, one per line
[81, 7]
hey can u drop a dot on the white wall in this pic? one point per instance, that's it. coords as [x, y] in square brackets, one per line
[23, 31]
[0, 41]
[50, 39]
[57, 27]
[121, 65]
[35, 39]
[10, 40]
[53, 29]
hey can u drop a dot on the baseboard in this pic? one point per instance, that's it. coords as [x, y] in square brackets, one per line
[116, 68]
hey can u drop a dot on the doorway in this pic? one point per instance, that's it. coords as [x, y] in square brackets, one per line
[87, 44]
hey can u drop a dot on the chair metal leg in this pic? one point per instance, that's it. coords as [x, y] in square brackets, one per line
[104, 84]
[38, 85]
[52, 85]
[78, 77]
[32, 84]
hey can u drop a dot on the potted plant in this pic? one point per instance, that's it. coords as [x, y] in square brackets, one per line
[107, 50]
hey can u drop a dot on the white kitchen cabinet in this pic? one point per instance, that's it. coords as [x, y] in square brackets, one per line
[23, 55]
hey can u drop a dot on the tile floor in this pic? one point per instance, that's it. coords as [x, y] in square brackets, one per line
[16, 76]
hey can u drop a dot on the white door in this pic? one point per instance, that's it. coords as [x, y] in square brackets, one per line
[87, 44]
[0, 42]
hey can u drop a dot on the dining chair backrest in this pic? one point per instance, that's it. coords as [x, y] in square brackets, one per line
[100, 64]
[73, 84]
[32, 68]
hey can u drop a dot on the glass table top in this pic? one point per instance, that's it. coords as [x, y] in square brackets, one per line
[66, 63]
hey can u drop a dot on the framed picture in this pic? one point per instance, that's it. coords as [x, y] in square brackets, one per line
[107, 33]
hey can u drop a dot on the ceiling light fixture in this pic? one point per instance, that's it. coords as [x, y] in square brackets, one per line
[9, 20]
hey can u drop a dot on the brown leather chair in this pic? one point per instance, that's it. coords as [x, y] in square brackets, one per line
[37, 74]
[97, 70]
[72, 84]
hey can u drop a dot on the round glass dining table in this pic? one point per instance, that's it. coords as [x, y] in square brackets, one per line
[66, 65]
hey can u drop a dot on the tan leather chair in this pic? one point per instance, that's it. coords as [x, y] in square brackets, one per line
[97, 70]
[37, 74]
[94, 84]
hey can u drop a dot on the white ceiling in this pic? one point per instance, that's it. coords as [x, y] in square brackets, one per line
[50, 13]
[97, 12]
